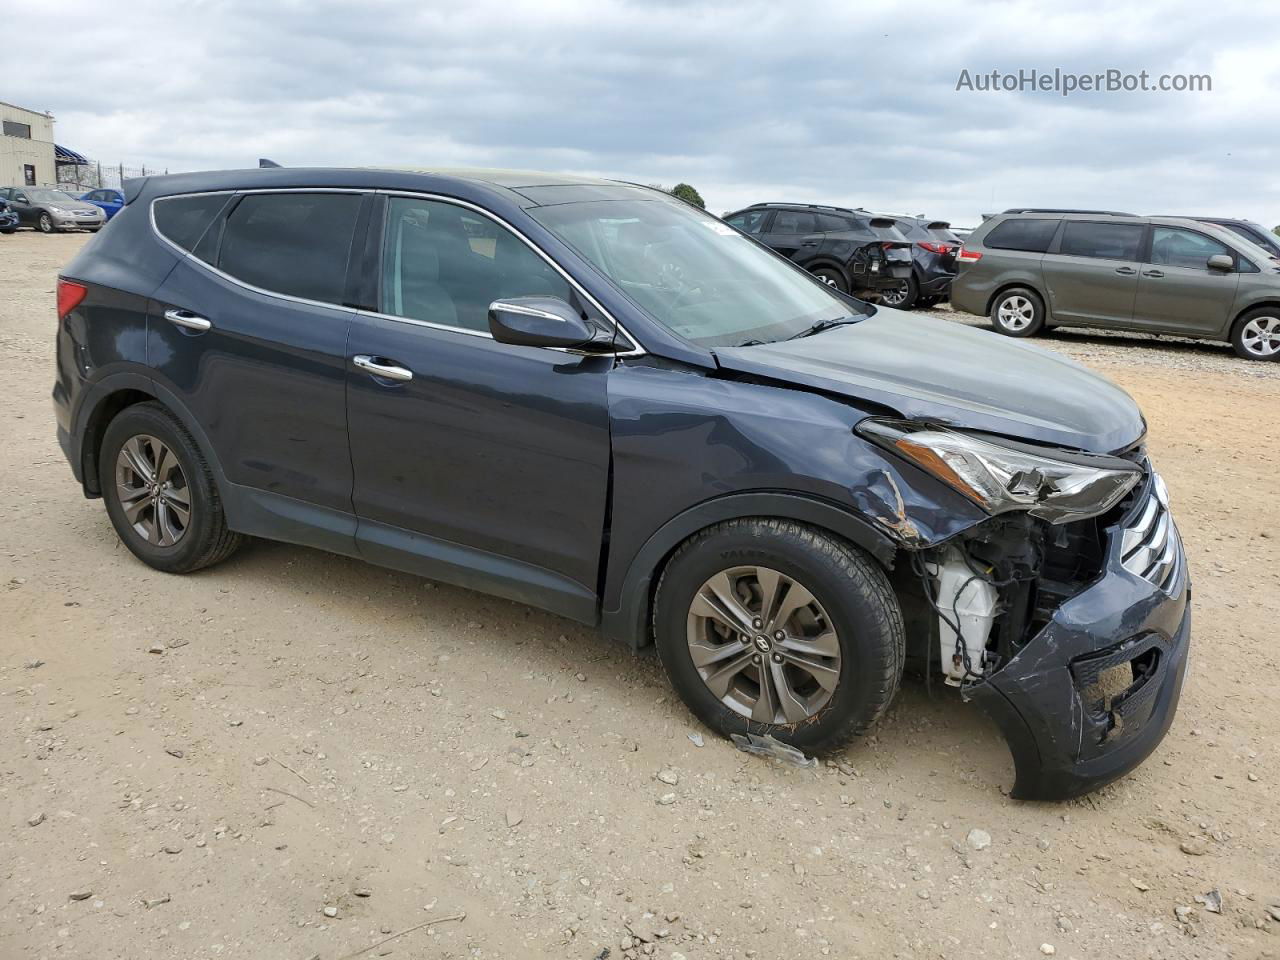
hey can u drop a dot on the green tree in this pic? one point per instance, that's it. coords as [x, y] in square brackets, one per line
[683, 191]
[1276, 231]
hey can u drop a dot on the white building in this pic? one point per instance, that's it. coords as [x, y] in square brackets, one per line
[27, 154]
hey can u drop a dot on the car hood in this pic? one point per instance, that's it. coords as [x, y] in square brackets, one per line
[936, 370]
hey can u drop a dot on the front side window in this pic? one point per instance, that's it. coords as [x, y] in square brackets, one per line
[1172, 247]
[1030, 236]
[749, 221]
[445, 264]
[291, 243]
[1105, 241]
[693, 274]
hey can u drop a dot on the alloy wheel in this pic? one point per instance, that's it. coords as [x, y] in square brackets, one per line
[763, 645]
[153, 491]
[1016, 313]
[1261, 336]
[46, 223]
[894, 297]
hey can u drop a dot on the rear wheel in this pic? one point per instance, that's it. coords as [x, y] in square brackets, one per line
[1256, 335]
[773, 627]
[832, 278]
[904, 297]
[1018, 312]
[45, 223]
[160, 493]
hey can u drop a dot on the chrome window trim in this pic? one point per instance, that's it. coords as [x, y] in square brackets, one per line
[635, 350]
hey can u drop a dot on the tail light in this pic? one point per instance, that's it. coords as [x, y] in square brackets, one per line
[968, 256]
[936, 247]
[70, 294]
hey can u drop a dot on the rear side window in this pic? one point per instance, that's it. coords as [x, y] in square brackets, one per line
[185, 219]
[1105, 241]
[793, 221]
[829, 224]
[1033, 236]
[291, 243]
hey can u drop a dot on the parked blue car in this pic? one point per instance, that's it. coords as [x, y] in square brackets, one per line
[109, 200]
[8, 217]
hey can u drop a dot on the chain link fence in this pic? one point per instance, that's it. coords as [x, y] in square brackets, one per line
[79, 177]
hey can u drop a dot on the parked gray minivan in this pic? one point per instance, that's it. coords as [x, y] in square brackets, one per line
[1028, 271]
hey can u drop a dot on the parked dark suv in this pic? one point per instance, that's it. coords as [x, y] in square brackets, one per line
[852, 250]
[599, 400]
[1032, 270]
[933, 267]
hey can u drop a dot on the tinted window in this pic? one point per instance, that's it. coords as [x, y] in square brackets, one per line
[291, 243]
[184, 219]
[1033, 236]
[829, 224]
[444, 264]
[793, 221]
[1106, 241]
[749, 221]
[1184, 248]
[942, 234]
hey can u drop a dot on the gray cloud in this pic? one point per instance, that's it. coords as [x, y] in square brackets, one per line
[748, 101]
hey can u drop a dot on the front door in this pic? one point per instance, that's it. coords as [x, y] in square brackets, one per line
[1092, 278]
[256, 348]
[476, 462]
[1177, 292]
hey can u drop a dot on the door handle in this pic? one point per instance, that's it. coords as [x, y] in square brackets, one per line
[185, 318]
[1126, 271]
[380, 367]
[1153, 273]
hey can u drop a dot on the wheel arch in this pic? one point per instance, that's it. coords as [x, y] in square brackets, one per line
[826, 261]
[627, 619]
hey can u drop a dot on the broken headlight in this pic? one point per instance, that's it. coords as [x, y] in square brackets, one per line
[1001, 475]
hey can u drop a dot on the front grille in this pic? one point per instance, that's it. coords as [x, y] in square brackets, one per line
[1149, 546]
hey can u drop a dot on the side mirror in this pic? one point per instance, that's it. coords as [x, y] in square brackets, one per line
[542, 322]
[1220, 261]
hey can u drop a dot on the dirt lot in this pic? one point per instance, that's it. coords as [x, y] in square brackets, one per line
[315, 730]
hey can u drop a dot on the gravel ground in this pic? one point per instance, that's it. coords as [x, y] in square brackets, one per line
[294, 755]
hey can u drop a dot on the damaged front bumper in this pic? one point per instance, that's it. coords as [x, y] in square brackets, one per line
[1090, 696]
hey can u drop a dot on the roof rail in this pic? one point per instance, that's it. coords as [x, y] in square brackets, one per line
[809, 206]
[1108, 213]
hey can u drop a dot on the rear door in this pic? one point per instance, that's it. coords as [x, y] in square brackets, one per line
[1177, 292]
[793, 234]
[250, 332]
[476, 462]
[1092, 274]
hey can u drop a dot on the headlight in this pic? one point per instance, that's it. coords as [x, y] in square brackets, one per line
[53, 209]
[999, 477]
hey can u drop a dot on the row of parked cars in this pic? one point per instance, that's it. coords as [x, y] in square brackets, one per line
[1030, 269]
[49, 210]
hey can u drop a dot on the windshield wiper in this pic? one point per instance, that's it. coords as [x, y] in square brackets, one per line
[824, 325]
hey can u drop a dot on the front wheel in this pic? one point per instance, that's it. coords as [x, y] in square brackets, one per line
[831, 278]
[1018, 312]
[45, 223]
[160, 493]
[773, 627]
[1256, 335]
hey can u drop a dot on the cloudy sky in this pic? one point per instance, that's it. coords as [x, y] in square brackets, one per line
[772, 101]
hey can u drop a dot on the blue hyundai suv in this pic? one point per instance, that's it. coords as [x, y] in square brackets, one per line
[593, 398]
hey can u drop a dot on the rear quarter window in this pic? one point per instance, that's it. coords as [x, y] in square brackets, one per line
[184, 220]
[1032, 236]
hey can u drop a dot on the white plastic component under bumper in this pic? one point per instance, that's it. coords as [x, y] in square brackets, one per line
[968, 602]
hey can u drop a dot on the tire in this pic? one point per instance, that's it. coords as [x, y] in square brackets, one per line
[851, 596]
[202, 539]
[1018, 312]
[45, 224]
[1256, 335]
[928, 303]
[831, 277]
[905, 298]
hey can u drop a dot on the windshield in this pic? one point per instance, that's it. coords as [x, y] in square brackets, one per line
[693, 273]
[49, 196]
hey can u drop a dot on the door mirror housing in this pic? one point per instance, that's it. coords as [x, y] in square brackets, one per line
[1220, 261]
[544, 322]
